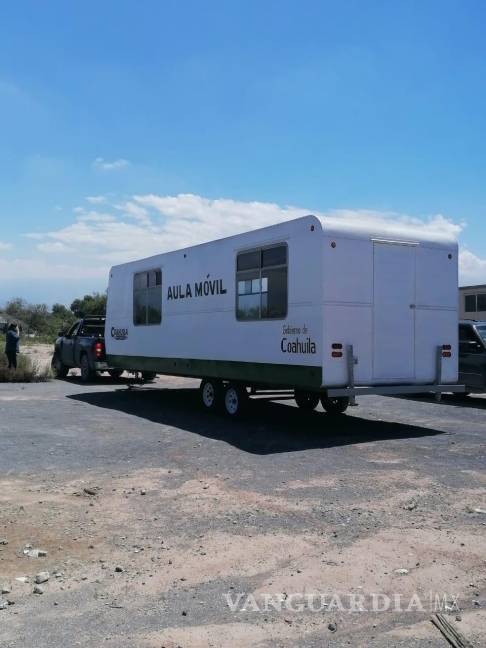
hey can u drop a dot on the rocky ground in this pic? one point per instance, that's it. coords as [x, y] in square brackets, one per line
[165, 526]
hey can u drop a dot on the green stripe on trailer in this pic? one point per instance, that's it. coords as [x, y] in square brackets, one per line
[276, 375]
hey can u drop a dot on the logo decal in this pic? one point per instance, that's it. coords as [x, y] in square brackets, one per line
[119, 333]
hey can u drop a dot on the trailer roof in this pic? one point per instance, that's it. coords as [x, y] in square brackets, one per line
[364, 226]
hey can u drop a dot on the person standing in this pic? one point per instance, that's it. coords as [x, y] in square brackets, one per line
[12, 345]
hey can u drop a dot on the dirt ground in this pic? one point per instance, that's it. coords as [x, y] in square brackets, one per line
[165, 526]
[39, 353]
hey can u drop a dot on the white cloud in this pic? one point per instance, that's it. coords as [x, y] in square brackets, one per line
[100, 164]
[144, 225]
[472, 269]
[95, 216]
[54, 247]
[204, 219]
[135, 211]
[188, 219]
[40, 268]
[5, 246]
[96, 200]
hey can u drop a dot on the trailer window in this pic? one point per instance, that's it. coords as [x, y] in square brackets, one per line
[261, 283]
[147, 297]
[248, 260]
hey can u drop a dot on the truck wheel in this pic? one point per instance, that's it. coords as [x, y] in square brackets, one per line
[60, 370]
[86, 372]
[337, 405]
[235, 400]
[148, 376]
[115, 373]
[211, 394]
[306, 400]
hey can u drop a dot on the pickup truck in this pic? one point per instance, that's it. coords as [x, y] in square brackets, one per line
[472, 356]
[83, 346]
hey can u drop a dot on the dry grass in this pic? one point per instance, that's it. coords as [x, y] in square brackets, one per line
[28, 370]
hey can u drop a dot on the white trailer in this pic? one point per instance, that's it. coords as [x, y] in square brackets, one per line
[328, 312]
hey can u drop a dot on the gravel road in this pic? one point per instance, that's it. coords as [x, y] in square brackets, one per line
[166, 526]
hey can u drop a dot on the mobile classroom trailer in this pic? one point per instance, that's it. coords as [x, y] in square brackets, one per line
[325, 311]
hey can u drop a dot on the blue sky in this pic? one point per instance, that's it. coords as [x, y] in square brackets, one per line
[376, 106]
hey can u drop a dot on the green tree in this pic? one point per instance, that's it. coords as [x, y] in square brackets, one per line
[59, 310]
[16, 307]
[37, 318]
[94, 304]
[46, 323]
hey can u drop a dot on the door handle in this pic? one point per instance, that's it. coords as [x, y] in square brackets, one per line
[413, 306]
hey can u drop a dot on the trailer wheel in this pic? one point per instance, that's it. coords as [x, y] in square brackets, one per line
[337, 405]
[235, 400]
[148, 376]
[306, 400]
[211, 394]
[115, 373]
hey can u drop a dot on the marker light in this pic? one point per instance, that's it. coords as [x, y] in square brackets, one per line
[446, 350]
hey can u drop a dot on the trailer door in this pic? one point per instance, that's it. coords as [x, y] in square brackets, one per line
[393, 311]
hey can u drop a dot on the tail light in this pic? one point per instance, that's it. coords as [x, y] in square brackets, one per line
[446, 351]
[337, 350]
[98, 349]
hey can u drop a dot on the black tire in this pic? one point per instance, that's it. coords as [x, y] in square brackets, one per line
[337, 405]
[115, 373]
[461, 395]
[87, 374]
[211, 393]
[60, 370]
[235, 400]
[148, 376]
[306, 400]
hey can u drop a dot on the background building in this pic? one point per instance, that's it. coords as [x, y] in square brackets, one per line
[472, 302]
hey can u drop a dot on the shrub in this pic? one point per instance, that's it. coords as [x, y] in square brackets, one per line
[27, 370]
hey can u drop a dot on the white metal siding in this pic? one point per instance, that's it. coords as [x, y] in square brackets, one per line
[394, 315]
[331, 292]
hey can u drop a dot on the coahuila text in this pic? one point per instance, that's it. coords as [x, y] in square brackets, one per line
[298, 345]
[198, 289]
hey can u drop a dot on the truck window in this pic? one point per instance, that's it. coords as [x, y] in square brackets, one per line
[261, 283]
[466, 333]
[470, 303]
[482, 332]
[147, 297]
[73, 330]
[91, 329]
